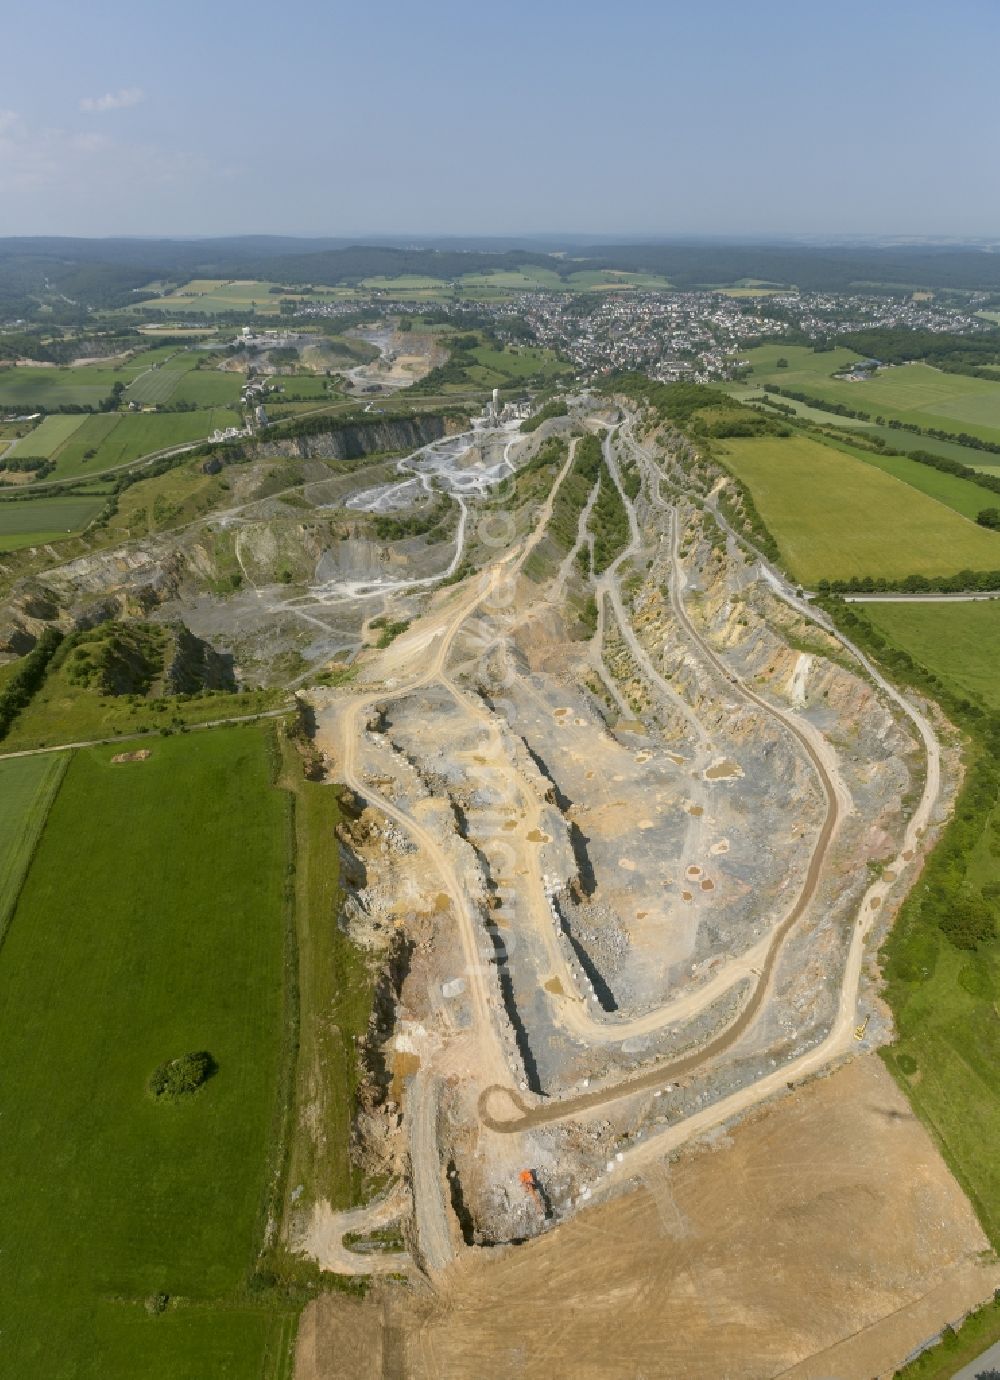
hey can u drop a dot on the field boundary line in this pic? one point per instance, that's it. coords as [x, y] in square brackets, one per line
[52, 790]
[150, 734]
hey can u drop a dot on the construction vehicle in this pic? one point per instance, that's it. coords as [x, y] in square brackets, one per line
[530, 1187]
[859, 1033]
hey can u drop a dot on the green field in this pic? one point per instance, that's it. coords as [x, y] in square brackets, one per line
[120, 437]
[30, 522]
[48, 436]
[337, 985]
[212, 295]
[66, 712]
[742, 393]
[152, 922]
[835, 517]
[913, 393]
[531, 278]
[612, 280]
[86, 385]
[209, 388]
[944, 998]
[959, 642]
[516, 363]
[303, 386]
[806, 366]
[27, 788]
[962, 495]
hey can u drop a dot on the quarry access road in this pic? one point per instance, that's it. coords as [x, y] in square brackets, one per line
[823, 761]
[839, 1041]
[735, 971]
[756, 964]
[434, 638]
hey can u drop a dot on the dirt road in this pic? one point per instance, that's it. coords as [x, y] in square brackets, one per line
[837, 1043]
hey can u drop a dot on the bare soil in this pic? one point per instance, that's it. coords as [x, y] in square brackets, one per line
[825, 1237]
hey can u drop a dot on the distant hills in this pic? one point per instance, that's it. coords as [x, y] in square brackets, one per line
[105, 273]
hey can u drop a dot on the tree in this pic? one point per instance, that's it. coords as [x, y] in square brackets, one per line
[781, 363]
[967, 921]
[178, 1077]
[989, 517]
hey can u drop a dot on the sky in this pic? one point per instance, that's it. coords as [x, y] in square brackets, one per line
[642, 117]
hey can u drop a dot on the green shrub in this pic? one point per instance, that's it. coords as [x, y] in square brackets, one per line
[968, 922]
[179, 1077]
[556, 408]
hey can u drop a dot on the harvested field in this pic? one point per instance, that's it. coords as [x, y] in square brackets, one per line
[825, 1237]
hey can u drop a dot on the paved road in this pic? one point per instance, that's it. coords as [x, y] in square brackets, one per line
[919, 598]
[986, 1361]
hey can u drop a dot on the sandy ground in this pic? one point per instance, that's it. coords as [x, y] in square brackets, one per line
[823, 1238]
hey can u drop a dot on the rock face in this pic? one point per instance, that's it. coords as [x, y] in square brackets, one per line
[360, 439]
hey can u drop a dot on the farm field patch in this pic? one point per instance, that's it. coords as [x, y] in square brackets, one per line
[804, 366]
[208, 388]
[527, 279]
[154, 385]
[48, 436]
[120, 437]
[216, 295]
[117, 958]
[960, 643]
[611, 280]
[30, 522]
[915, 393]
[962, 495]
[520, 363]
[297, 386]
[835, 517]
[943, 996]
[27, 788]
[54, 387]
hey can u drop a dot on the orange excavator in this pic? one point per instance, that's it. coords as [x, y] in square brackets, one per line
[530, 1186]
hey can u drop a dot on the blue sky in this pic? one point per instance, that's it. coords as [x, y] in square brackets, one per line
[444, 117]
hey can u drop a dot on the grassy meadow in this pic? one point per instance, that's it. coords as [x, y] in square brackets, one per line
[166, 500]
[65, 712]
[962, 495]
[48, 436]
[31, 522]
[114, 438]
[52, 387]
[27, 789]
[835, 517]
[944, 998]
[915, 393]
[151, 923]
[337, 985]
[958, 642]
